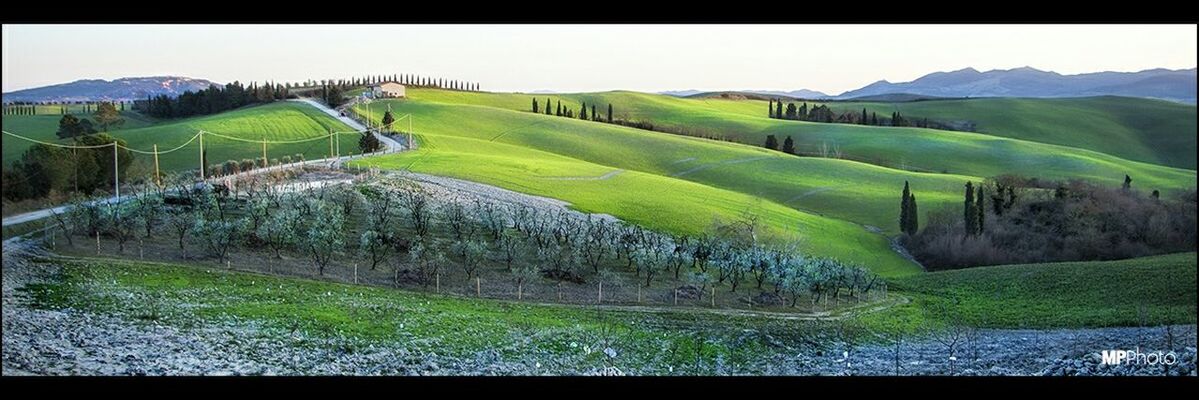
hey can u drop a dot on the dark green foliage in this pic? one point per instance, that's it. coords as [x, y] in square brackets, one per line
[772, 142]
[788, 145]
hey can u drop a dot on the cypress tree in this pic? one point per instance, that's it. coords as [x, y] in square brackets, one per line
[863, 122]
[913, 215]
[770, 109]
[905, 205]
[982, 209]
[873, 118]
[547, 106]
[772, 142]
[583, 111]
[534, 104]
[789, 145]
[969, 211]
[609, 112]
[594, 116]
[559, 112]
[778, 110]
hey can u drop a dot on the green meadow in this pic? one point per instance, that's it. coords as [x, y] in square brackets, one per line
[282, 121]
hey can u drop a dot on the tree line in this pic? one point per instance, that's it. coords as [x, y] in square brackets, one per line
[212, 100]
[822, 113]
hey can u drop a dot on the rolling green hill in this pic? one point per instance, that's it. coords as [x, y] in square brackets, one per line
[279, 121]
[1152, 131]
[963, 153]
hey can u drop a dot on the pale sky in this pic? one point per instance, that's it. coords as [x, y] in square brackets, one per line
[569, 58]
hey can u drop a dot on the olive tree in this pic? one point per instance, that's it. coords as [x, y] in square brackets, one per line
[280, 230]
[324, 236]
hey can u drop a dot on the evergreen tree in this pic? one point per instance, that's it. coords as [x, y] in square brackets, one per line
[107, 116]
[863, 121]
[534, 104]
[788, 145]
[778, 110]
[388, 119]
[803, 112]
[905, 205]
[1156, 194]
[873, 119]
[982, 210]
[609, 112]
[583, 111]
[547, 106]
[559, 112]
[791, 111]
[770, 109]
[913, 215]
[970, 211]
[594, 116]
[771, 142]
[1127, 182]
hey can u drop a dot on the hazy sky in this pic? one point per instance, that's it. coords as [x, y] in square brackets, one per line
[829, 58]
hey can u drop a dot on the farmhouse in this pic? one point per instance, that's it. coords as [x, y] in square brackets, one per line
[387, 89]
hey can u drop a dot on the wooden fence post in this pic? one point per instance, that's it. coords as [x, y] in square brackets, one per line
[355, 273]
[97, 242]
[713, 296]
[478, 290]
[601, 293]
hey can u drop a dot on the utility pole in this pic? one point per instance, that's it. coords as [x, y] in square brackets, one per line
[264, 161]
[202, 166]
[157, 176]
[116, 173]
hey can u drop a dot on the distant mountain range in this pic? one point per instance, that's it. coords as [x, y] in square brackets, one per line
[1174, 85]
[118, 89]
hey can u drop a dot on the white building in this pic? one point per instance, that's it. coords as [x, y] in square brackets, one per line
[387, 89]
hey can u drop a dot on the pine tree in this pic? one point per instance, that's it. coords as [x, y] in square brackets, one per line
[789, 145]
[772, 142]
[970, 211]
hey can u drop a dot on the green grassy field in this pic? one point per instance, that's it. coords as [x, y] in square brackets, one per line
[842, 189]
[279, 121]
[1141, 291]
[965, 153]
[1152, 131]
[43, 127]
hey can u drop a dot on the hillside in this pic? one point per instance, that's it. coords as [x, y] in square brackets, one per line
[1152, 131]
[275, 121]
[123, 89]
[964, 153]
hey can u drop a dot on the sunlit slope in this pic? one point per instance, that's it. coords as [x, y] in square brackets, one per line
[848, 190]
[744, 121]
